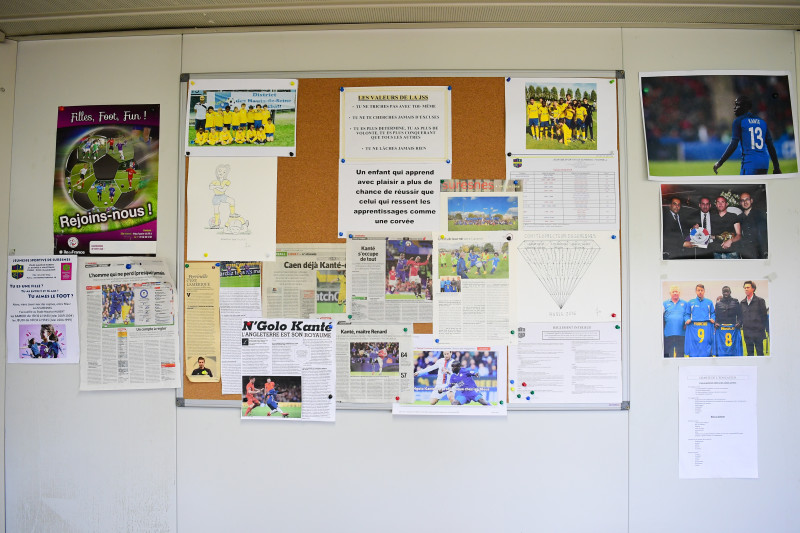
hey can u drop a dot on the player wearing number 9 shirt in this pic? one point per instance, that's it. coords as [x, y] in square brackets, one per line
[757, 147]
[699, 318]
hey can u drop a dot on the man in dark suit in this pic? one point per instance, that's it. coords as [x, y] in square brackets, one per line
[754, 321]
[675, 230]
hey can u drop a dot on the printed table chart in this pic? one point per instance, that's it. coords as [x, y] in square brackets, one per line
[569, 198]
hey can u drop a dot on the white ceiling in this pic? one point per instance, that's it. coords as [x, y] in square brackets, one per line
[21, 19]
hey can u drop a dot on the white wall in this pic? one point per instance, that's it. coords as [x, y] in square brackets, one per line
[659, 501]
[87, 461]
[8, 69]
[132, 461]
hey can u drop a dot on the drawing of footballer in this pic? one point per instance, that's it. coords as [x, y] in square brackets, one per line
[235, 223]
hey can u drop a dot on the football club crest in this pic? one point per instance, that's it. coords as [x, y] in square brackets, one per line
[517, 162]
[521, 333]
[17, 271]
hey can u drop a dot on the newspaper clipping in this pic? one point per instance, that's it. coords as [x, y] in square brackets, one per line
[288, 369]
[474, 299]
[307, 281]
[368, 361]
[130, 337]
[390, 279]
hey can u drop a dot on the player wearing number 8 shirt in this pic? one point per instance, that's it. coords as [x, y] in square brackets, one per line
[699, 318]
[757, 147]
[728, 336]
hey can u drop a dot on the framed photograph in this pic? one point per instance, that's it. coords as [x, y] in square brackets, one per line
[717, 318]
[714, 221]
[713, 125]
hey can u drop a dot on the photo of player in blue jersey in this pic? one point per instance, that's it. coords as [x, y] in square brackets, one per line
[278, 397]
[379, 359]
[118, 305]
[456, 377]
[724, 319]
[688, 132]
[752, 132]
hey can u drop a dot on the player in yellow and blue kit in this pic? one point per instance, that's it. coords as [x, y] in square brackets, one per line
[269, 130]
[533, 117]
[699, 318]
[757, 147]
[544, 119]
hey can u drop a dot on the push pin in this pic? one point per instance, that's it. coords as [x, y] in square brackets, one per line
[128, 266]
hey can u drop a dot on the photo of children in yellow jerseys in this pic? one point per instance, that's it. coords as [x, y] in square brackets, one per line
[232, 123]
[561, 117]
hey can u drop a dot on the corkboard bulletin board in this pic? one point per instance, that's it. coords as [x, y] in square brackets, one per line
[308, 183]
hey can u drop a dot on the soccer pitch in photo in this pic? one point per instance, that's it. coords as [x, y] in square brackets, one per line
[706, 168]
[284, 131]
[405, 295]
[445, 402]
[551, 144]
[330, 308]
[251, 280]
[472, 272]
[294, 410]
[451, 226]
[389, 373]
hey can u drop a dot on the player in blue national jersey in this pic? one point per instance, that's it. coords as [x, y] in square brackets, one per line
[272, 399]
[463, 389]
[699, 318]
[728, 337]
[757, 147]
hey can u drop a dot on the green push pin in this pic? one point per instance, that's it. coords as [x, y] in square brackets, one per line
[617, 326]
[512, 331]
[501, 402]
[349, 316]
[187, 265]
[405, 329]
[519, 395]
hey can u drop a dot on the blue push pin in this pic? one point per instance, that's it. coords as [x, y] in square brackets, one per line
[508, 79]
[216, 264]
[342, 160]
[350, 235]
[527, 397]
[448, 161]
[437, 340]
[341, 89]
[128, 266]
[340, 234]
[512, 382]
[613, 236]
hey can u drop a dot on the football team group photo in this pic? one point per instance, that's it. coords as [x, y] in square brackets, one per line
[561, 116]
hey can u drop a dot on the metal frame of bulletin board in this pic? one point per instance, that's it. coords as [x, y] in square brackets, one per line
[312, 175]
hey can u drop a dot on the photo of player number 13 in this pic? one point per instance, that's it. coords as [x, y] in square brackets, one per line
[716, 318]
[718, 221]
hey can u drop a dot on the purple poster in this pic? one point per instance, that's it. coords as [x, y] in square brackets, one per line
[105, 190]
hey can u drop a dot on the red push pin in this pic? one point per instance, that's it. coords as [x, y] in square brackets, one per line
[613, 315]
[397, 398]
[524, 384]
